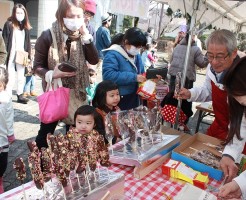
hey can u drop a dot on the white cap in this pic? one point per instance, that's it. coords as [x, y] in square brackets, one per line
[106, 17]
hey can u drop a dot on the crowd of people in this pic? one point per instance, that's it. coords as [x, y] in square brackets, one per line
[123, 61]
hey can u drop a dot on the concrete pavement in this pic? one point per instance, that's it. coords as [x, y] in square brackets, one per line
[26, 127]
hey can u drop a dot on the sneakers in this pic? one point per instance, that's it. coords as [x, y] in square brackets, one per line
[33, 93]
[22, 99]
[26, 94]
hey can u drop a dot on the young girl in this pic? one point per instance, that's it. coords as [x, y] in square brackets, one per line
[89, 125]
[86, 118]
[6, 124]
[147, 57]
[235, 85]
[106, 100]
[90, 90]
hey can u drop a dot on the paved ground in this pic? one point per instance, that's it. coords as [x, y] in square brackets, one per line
[26, 127]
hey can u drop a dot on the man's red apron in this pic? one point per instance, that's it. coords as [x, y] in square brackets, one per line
[219, 127]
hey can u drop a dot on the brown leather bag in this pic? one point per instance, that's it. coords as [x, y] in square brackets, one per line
[21, 58]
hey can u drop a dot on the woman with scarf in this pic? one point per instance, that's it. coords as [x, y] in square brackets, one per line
[16, 36]
[67, 40]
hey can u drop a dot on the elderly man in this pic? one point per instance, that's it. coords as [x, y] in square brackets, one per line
[103, 38]
[103, 34]
[222, 54]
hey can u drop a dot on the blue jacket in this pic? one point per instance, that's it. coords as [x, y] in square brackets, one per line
[103, 40]
[118, 67]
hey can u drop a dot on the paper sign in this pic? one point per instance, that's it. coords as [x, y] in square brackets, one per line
[135, 8]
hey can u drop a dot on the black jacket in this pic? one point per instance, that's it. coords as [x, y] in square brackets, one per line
[8, 36]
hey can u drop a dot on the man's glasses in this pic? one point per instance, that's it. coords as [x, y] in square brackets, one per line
[217, 58]
[88, 14]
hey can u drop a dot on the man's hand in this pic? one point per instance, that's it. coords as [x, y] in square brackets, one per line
[183, 94]
[230, 191]
[229, 167]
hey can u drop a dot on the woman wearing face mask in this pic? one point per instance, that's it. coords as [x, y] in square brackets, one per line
[122, 64]
[67, 40]
[16, 36]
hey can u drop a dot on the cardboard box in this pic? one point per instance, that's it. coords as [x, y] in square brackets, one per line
[196, 142]
[172, 131]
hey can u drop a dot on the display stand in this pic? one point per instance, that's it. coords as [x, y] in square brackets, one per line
[148, 157]
[106, 186]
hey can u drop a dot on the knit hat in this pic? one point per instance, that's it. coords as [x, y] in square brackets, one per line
[106, 17]
[90, 6]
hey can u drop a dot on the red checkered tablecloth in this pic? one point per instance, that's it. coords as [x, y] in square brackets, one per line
[153, 186]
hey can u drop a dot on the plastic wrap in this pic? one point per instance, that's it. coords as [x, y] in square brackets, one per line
[143, 151]
[105, 181]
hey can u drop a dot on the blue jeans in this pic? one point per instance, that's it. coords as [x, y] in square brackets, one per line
[30, 84]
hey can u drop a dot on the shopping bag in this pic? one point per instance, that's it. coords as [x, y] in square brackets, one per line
[21, 58]
[53, 104]
[169, 114]
[146, 90]
[74, 104]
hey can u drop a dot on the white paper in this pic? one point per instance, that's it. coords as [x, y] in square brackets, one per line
[190, 192]
[149, 86]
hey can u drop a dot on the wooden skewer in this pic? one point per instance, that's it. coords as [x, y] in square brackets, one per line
[106, 195]
[193, 149]
[24, 192]
[168, 197]
[64, 194]
[78, 181]
[187, 154]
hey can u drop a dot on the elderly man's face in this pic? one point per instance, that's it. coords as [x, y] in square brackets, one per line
[219, 57]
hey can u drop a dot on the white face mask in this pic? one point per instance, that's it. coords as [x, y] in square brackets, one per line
[133, 51]
[73, 24]
[20, 17]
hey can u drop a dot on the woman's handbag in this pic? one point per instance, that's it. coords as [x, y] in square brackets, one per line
[21, 58]
[53, 104]
[152, 72]
[28, 71]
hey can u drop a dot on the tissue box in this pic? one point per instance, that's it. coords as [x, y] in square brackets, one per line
[179, 170]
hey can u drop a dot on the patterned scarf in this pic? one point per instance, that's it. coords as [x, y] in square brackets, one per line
[77, 59]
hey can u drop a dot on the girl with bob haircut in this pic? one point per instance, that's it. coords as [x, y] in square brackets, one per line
[16, 35]
[68, 40]
[97, 119]
[106, 100]
[235, 84]
[122, 65]
[88, 128]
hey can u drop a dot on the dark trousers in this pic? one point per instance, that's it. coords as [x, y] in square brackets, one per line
[129, 101]
[3, 162]
[41, 138]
